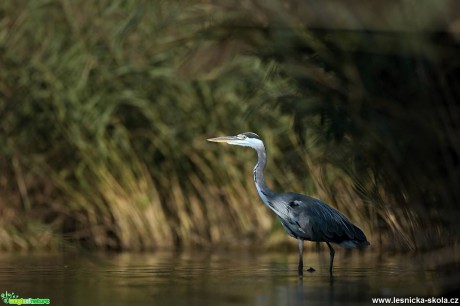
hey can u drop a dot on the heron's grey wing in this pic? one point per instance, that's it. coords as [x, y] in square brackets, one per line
[321, 222]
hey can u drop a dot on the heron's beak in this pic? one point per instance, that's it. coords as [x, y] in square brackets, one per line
[226, 139]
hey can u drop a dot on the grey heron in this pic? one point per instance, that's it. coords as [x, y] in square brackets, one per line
[302, 217]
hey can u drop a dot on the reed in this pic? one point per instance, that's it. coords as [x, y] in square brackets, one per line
[106, 107]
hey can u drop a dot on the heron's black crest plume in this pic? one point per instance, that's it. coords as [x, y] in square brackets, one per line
[251, 135]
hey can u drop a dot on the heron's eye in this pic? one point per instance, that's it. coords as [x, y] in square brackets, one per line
[242, 137]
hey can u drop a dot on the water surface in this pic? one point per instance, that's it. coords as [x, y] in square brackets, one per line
[222, 278]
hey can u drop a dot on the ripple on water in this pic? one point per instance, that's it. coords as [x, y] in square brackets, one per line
[231, 278]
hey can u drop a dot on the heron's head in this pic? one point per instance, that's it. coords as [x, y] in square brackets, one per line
[247, 139]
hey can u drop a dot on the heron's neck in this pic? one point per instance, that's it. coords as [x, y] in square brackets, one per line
[264, 192]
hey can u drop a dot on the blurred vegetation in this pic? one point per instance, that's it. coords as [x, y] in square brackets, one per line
[106, 106]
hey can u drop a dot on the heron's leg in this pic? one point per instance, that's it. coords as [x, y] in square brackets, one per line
[300, 257]
[332, 252]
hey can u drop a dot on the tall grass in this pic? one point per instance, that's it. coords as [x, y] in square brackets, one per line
[106, 106]
[103, 142]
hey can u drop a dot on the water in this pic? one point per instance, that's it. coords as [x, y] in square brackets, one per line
[222, 278]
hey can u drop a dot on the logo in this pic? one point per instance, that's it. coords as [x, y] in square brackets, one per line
[12, 299]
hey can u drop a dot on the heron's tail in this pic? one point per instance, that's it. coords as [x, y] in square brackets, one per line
[358, 240]
[354, 244]
[363, 244]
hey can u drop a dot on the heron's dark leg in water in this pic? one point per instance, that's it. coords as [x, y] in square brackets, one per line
[300, 257]
[332, 253]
